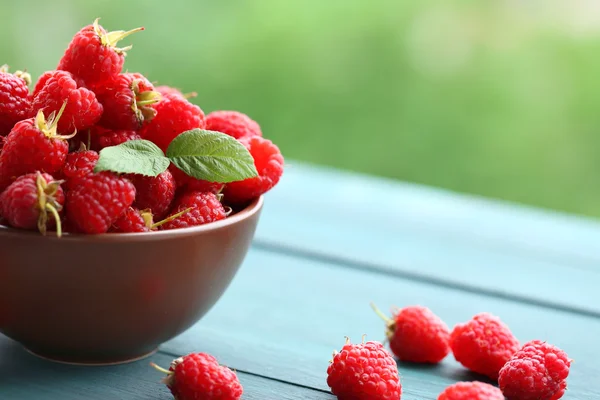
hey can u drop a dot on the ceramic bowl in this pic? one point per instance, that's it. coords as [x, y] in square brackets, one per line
[113, 298]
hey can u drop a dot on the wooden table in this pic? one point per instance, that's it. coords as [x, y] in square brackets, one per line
[328, 243]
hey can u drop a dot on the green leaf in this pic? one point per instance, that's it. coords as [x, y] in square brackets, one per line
[211, 156]
[133, 157]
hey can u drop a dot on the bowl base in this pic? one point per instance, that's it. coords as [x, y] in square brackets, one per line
[90, 362]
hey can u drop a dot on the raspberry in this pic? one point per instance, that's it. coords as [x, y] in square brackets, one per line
[538, 371]
[188, 183]
[205, 208]
[175, 115]
[78, 165]
[133, 220]
[483, 344]
[25, 204]
[92, 54]
[126, 99]
[33, 145]
[269, 165]
[471, 391]
[155, 193]
[98, 200]
[199, 376]
[54, 88]
[416, 334]
[364, 371]
[15, 101]
[171, 91]
[101, 138]
[233, 123]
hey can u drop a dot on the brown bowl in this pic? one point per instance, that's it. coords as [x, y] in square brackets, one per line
[114, 298]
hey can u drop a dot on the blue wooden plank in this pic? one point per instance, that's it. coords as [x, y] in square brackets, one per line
[283, 316]
[428, 233]
[26, 377]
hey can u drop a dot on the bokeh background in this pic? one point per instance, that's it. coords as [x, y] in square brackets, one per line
[495, 98]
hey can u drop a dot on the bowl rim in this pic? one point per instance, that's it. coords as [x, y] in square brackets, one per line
[250, 210]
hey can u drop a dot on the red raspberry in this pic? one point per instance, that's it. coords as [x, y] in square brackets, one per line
[364, 371]
[15, 101]
[233, 123]
[54, 88]
[483, 344]
[416, 334]
[98, 200]
[133, 220]
[33, 145]
[101, 138]
[25, 204]
[189, 183]
[92, 54]
[471, 391]
[205, 208]
[126, 99]
[171, 91]
[175, 115]
[538, 371]
[269, 165]
[155, 193]
[199, 376]
[78, 165]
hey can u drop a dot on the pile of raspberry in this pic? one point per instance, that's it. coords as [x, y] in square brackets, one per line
[51, 136]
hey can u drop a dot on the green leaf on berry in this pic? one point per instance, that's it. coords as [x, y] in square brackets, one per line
[211, 156]
[133, 157]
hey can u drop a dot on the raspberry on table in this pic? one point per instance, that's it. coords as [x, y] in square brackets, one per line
[26, 203]
[33, 145]
[269, 165]
[93, 55]
[186, 182]
[126, 99]
[15, 100]
[101, 138]
[471, 391]
[174, 115]
[364, 371]
[54, 88]
[199, 376]
[205, 207]
[97, 200]
[417, 335]
[155, 193]
[483, 344]
[78, 164]
[232, 123]
[537, 371]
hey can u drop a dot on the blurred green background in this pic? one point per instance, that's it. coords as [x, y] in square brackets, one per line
[494, 98]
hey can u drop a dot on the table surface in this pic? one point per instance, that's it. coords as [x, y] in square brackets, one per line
[330, 242]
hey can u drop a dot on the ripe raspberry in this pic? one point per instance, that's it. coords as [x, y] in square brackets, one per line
[364, 371]
[175, 115]
[92, 54]
[471, 391]
[483, 344]
[25, 204]
[416, 334]
[133, 220]
[33, 145]
[78, 165]
[233, 123]
[205, 208]
[98, 200]
[126, 99]
[199, 376]
[101, 138]
[15, 101]
[171, 91]
[538, 371]
[155, 193]
[54, 88]
[269, 165]
[186, 182]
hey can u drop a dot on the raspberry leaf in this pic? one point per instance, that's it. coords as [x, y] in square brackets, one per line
[211, 156]
[133, 157]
